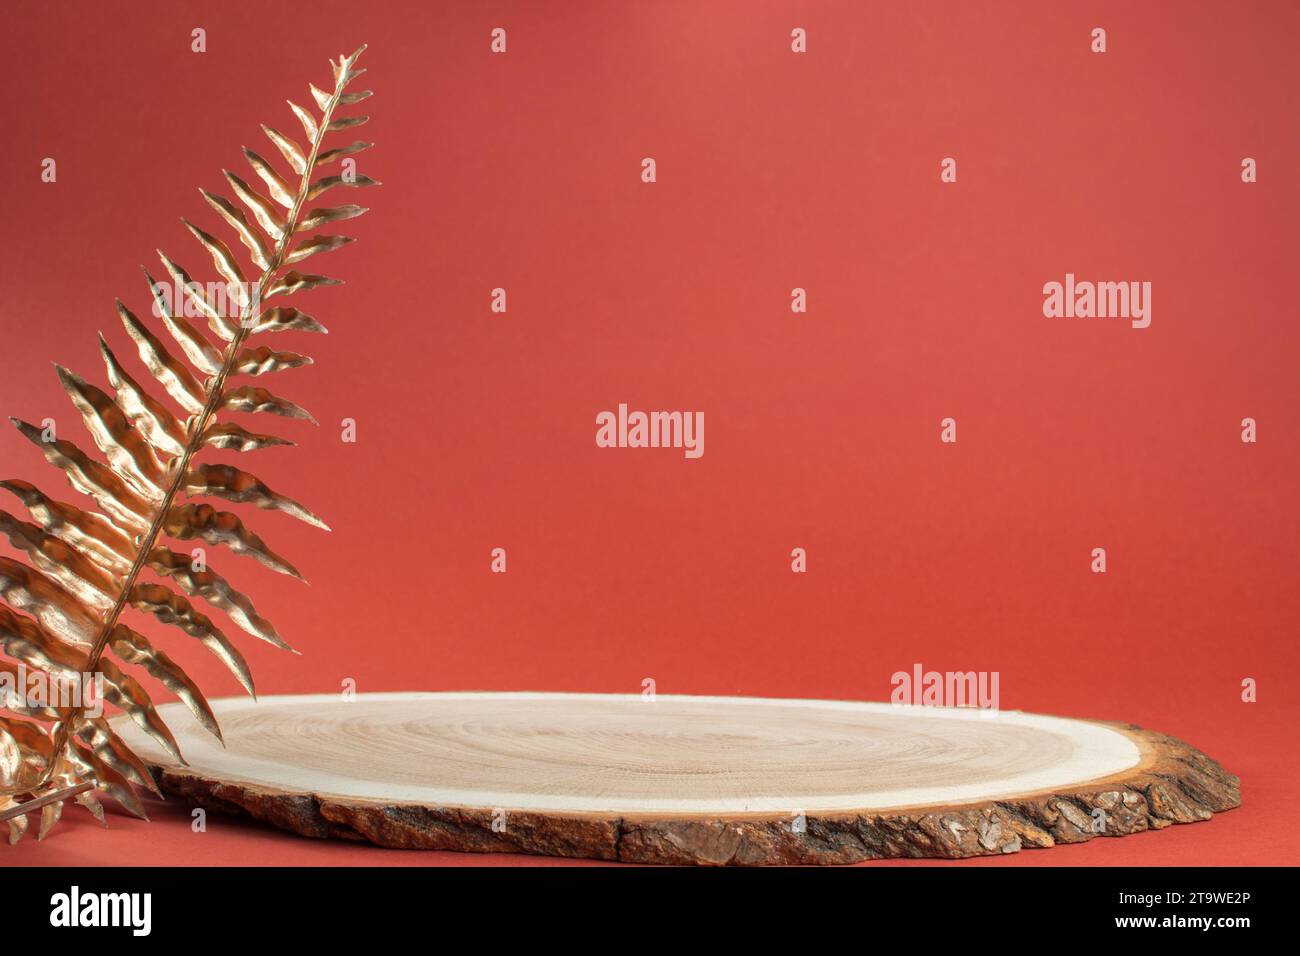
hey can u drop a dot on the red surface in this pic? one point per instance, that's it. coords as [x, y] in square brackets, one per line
[774, 171]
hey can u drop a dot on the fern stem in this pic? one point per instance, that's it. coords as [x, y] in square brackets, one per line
[58, 796]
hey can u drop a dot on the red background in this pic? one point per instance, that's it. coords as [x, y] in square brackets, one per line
[775, 170]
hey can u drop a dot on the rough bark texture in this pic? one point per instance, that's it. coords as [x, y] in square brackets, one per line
[1174, 783]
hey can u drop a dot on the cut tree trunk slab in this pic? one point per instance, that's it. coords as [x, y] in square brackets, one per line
[711, 780]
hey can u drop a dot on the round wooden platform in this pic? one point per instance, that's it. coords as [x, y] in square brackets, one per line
[683, 779]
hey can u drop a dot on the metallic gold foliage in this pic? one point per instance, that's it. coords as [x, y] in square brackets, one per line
[62, 610]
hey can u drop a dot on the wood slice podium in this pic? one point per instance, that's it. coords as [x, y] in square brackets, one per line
[701, 780]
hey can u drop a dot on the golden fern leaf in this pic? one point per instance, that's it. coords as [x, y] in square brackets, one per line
[64, 621]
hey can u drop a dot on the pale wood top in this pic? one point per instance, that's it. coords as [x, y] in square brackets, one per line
[616, 754]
